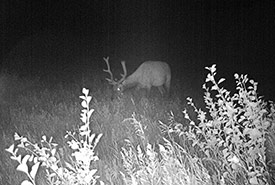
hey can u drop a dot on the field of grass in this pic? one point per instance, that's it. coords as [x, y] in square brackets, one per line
[135, 129]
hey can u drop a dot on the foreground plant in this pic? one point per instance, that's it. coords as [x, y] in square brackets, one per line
[233, 139]
[167, 163]
[58, 171]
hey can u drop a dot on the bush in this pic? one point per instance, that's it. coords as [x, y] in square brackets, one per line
[78, 171]
[232, 141]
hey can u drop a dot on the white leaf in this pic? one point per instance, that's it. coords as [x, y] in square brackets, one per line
[16, 137]
[92, 172]
[84, 104]
[214, 87]
[31, 158]
[23, 139]
[44, 138]
[221, 80]
[34, 169]
[25, 159]
[213, 68]
[82, 97]
[90, 113]
[91, 138]
[16, 158]
[35, 160]
[10, 149]
[53, 151]
[85, 91]
[83, 119]
[23, 167]
[26, 182]
[88, 99]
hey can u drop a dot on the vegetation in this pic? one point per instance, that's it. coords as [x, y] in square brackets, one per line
[126, 140]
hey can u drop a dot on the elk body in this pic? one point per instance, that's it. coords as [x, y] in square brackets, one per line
[149, 74]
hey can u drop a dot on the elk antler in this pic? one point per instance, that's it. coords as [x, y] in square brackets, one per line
[108, 70]
[124, 71]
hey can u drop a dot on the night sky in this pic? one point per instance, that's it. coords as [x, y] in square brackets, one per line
[70, 37]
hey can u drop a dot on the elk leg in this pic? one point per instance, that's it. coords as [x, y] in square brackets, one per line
[161, 90]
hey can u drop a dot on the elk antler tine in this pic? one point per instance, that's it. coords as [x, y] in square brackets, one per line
[124, 68]
[124, 71]
[108, 70]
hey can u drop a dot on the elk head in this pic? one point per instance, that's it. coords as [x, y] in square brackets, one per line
[149, 74]
[111, 80]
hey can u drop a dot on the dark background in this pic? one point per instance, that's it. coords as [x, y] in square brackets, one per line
[65, 37]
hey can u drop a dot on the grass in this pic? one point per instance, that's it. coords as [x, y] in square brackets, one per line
[36, 110]
[145, 140]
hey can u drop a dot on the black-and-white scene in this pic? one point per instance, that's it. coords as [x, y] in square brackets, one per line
[137, 92]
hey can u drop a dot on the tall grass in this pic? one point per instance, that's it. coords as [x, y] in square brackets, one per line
[144, 141]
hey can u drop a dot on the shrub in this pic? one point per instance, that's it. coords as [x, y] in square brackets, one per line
[232, 141]
[78, 171]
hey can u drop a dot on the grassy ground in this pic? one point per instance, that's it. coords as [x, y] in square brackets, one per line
[35, 108]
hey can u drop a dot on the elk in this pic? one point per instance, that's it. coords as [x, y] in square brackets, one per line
[149, 74]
